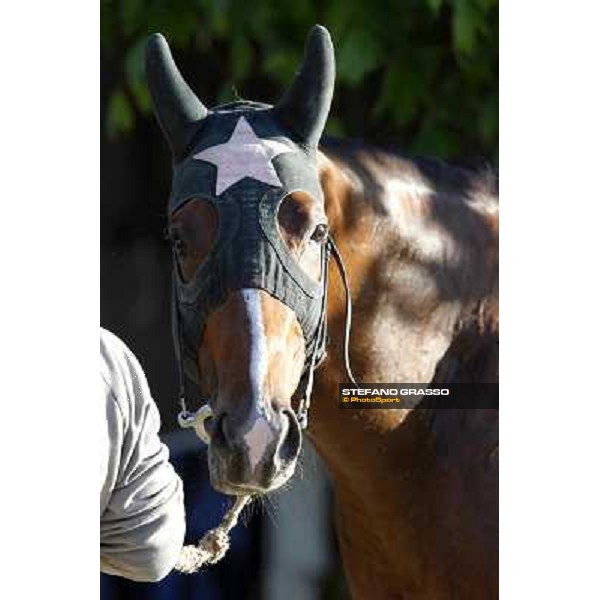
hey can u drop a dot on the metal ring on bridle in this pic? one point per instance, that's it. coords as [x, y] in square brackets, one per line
[196, 420]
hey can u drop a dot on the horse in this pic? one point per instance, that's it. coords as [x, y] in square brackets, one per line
[260, 202]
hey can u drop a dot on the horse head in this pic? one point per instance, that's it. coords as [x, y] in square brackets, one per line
[250, 242]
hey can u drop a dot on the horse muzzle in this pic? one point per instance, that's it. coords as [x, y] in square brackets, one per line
[255, 456]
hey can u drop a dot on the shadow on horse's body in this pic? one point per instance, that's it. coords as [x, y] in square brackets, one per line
[416, 491]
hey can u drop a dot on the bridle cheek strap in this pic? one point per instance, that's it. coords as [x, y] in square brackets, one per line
[348, 321]
[331, 250]
[318, 356]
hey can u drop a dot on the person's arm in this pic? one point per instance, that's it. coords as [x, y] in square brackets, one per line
[142, 522]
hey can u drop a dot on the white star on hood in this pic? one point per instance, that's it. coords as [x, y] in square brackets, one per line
[244, 155]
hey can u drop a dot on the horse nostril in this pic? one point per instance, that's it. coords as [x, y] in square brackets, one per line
[290, 446]
[217, 433]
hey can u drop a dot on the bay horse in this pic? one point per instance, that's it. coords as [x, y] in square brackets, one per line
[257, 200]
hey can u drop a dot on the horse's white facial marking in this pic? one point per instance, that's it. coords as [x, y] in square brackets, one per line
[260, 434]
[257, 439]
[258, 358]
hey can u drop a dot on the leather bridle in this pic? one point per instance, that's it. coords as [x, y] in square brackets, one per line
[196, 419]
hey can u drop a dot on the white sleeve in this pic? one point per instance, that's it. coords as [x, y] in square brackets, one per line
[142, 518]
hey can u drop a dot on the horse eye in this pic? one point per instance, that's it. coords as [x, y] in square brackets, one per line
[320, 233]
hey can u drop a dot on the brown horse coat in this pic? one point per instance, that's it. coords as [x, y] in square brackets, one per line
[416, 492]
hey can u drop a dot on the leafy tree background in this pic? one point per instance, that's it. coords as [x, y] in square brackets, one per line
[422, 74]
[418, 75]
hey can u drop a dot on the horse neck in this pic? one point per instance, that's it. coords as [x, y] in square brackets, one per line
[386, 217]
[443, 219]
[383, 463]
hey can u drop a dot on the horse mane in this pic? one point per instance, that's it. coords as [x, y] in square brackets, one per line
[443, 176]
[460, 202]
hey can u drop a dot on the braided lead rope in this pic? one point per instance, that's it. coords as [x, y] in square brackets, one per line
[214, 543]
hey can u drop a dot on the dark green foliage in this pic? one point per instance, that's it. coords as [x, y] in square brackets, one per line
[421, 75]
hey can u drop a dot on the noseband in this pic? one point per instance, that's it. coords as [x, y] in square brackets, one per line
[196, 419]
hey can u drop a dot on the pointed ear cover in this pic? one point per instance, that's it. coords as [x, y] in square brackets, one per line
[176, 107]
[305, 105]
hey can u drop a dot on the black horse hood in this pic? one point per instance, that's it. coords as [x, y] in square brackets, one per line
[245, 159]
